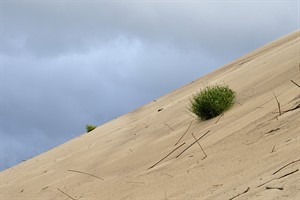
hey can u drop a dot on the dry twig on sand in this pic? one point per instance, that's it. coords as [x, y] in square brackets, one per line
[70, 170]
[276, 129]
[166, 156]
[286, 166]
[278, 177]
[219, 118]
[288, 174]
[239, 103]
[273, 149]
[278, 104]
[169, 126]
[292, 109]
[167, 175]
[295, 83]
[266, 182]
[192, 144]
[66, 194]
[278, 188]
[199, 145]
[240, 194]
[184, 132]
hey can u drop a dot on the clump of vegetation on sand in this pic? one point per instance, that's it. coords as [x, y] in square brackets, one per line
[90, 127]
[212, 101]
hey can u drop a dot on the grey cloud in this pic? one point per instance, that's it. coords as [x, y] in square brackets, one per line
[52, 28]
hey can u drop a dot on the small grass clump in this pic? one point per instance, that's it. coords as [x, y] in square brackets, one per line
[89, 127]
[212, 101]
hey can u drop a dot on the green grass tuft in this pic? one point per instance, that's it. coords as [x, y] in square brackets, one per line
[212, 101]
[89, 127]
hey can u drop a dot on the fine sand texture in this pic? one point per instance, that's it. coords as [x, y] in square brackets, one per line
[253, 150]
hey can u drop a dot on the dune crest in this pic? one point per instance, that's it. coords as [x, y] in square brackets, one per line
[253, 151]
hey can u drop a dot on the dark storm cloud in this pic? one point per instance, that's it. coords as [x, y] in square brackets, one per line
[66, 64]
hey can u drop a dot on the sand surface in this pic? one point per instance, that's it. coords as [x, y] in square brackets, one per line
[244, 147]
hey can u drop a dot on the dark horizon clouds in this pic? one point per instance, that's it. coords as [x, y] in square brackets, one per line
[70, 63]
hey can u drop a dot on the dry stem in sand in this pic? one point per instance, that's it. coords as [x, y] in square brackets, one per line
[166, 156]
[70, 170]
[66, 194]
[192, 144]
[278, 104]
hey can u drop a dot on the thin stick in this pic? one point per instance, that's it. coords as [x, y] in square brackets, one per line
[292, 109]
[295, 83]
[279, 177]
[184, 132]
[273, 149]
[240, 193]
[70, 170]
[266, 182]
[199, 145]
[169, 126]
[278, 188]
[192, 144]
[167, 174]
[239, 103]
[66, 194]
[278, 104]
[286, 166]
[276, 129]
[219, 118]
[288, 174]
[166, 156]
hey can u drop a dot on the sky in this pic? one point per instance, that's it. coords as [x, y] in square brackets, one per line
[65, 64]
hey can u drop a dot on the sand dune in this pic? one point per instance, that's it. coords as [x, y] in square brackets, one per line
[245, 146]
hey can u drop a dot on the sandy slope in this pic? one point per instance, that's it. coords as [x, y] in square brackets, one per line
[244, 148]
